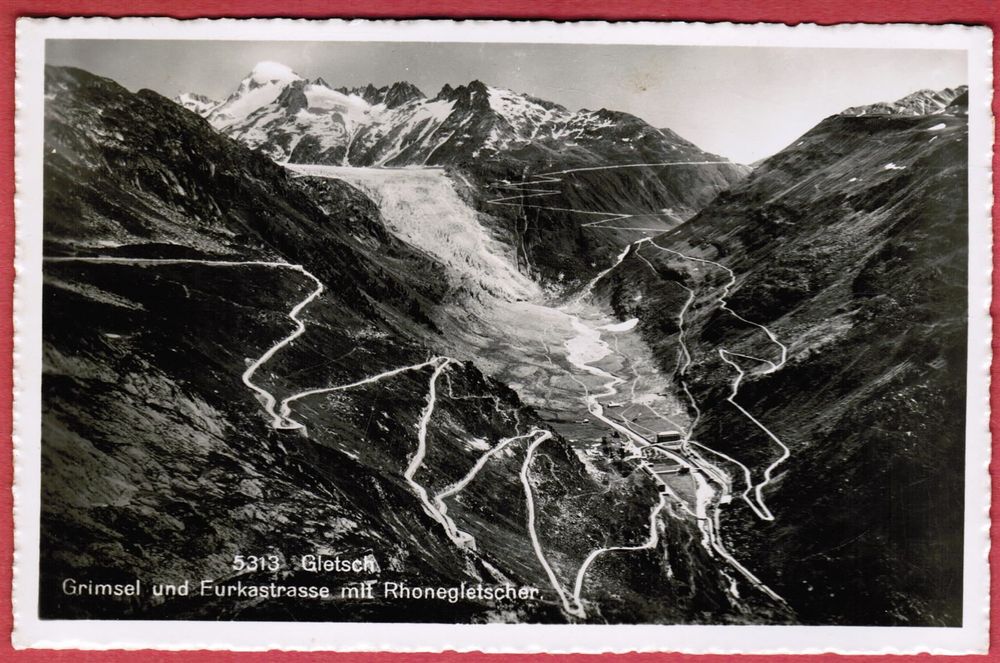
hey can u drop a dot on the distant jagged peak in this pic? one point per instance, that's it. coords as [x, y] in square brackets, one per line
[401, 92]
[474, 91]
[366, 92]
[393, 96]
[516, 107]
[265, 83]
[477, 85]
[198, 103]
[921, 102]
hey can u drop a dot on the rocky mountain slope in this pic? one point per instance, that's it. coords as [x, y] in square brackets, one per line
[850, 247]
[238, 360]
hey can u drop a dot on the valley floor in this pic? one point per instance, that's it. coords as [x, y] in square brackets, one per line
[591, 377]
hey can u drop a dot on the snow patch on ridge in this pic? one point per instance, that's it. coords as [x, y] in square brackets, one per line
[525, 116]
[427, 116]
[196, 102]
[353, 107]
[628, 325]
[243, 103]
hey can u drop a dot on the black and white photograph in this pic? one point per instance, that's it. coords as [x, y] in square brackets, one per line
[454, 331]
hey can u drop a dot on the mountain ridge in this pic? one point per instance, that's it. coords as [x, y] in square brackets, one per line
[397, 125]
[921, 102]
[393, 95]
[849, 245]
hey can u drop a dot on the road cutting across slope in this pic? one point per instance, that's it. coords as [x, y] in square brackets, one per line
[268, 399]
[533, 189]
[571, 605]
[725, 306]
[454, 489]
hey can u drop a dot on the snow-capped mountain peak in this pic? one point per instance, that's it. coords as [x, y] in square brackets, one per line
[272, 72]
[262, 86]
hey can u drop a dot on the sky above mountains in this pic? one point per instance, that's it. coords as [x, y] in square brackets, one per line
[743, 103]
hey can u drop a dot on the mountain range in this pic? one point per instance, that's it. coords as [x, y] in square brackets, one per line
[297, 120]
[484, 330]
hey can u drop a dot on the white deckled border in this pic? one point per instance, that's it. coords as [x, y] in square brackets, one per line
[972, 637]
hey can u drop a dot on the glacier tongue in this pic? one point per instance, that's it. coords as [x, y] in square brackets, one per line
[422, 208]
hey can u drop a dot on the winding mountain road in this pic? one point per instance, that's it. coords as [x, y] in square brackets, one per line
[757, 503]
[280, 415]
[571, 604]
[708, 499]
[712, 482]
[531, 189]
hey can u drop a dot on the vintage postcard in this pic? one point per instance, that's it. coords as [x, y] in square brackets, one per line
[502, 336]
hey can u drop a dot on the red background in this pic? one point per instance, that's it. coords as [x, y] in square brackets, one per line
[786, 11]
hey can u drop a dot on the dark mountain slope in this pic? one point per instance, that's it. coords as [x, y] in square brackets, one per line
[850, 246]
